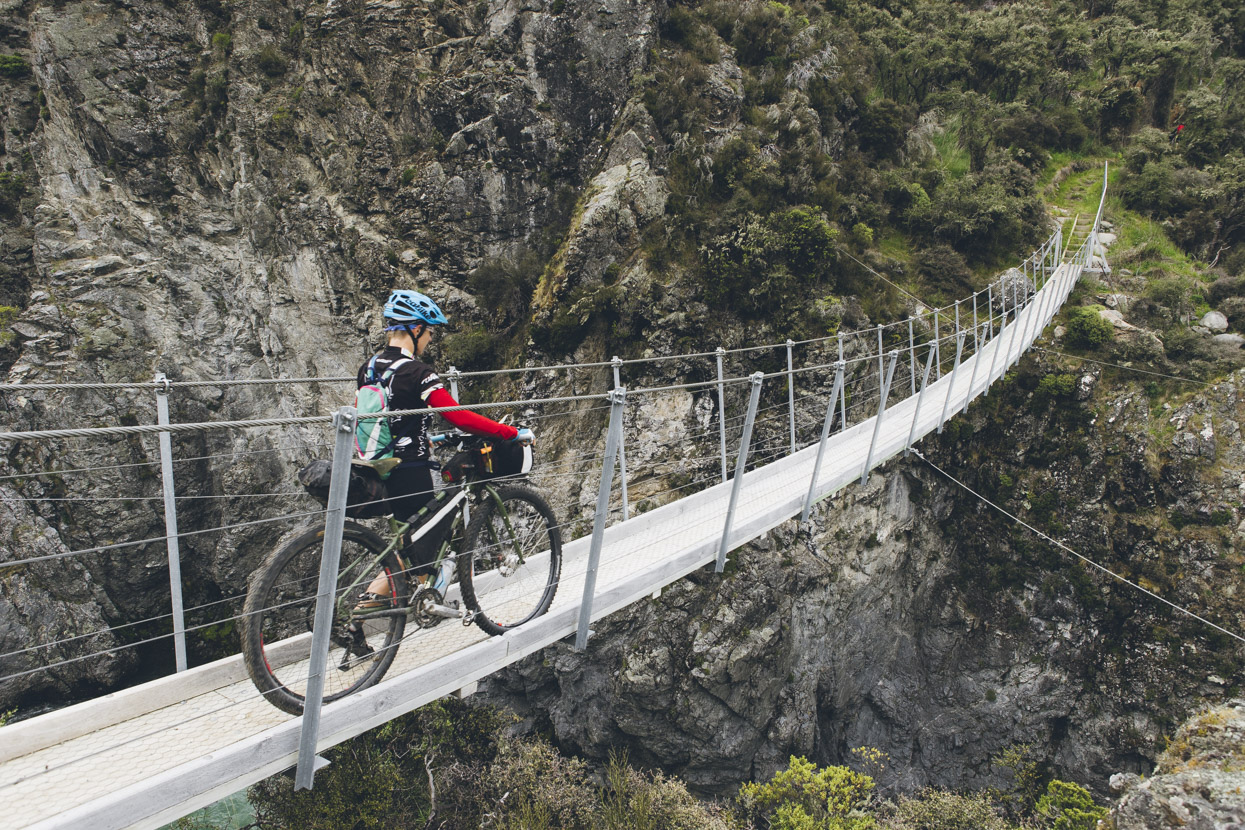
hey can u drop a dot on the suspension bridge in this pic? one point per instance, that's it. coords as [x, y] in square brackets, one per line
[149, 754]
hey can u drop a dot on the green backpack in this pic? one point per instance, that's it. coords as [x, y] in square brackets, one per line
[373, 439]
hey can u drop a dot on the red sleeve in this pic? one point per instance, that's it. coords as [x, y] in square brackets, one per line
[470, 421]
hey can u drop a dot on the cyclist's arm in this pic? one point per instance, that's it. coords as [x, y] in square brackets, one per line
[470, 421]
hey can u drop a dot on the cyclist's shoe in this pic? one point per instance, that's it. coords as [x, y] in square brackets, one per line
[357, 647]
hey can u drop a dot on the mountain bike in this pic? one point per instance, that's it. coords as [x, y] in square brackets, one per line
[497, 534]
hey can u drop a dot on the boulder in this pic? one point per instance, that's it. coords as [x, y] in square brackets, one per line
[1216, 321]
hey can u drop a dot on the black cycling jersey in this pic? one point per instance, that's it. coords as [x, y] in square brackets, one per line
[409, 388]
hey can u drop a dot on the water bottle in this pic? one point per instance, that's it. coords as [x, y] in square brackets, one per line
[446, 576]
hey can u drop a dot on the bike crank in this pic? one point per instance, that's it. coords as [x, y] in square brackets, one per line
[430, 610]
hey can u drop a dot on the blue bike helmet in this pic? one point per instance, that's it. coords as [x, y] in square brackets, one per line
[405, 308]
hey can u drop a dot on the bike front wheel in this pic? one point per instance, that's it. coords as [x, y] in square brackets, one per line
[280, 609]
[512, 559]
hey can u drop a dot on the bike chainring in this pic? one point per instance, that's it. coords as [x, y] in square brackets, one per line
[421, 614]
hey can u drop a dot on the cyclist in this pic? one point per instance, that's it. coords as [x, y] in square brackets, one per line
[410, 318]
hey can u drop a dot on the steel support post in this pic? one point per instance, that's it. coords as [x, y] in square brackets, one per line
[1032, 315]
[453, 374]
[170, 522]
[937, 345]
[1016, 309]
[880, 366]
[877, 424]
[842, 391]
[821, 445]
[990, 309]
[791, 391]
[741, 463]
[976, 334]
[613, 438]
[911, 354]
[721, 410]
[326, 594]
[955, 370]
[1052, 285]
[929, 363]
[616, 363]
[1002, 328]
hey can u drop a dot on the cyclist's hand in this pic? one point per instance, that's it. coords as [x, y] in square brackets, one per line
[525, 436]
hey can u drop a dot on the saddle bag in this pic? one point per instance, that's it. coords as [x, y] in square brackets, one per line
[365, 496]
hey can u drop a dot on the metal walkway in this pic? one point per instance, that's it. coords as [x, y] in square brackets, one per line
[144, 756]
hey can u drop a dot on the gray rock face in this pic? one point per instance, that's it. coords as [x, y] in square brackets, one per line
[1199, 783]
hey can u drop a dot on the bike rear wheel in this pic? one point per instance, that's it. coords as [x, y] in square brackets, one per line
[512, 559]
[279, 614]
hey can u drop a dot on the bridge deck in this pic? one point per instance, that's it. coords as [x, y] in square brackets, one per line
[142, 757]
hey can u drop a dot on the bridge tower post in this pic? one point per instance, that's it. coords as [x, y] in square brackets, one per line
[170, 523]
[741, 463]
[616, 363]
[330, 558]
[613, 437]
[825, 434]
[877, 424]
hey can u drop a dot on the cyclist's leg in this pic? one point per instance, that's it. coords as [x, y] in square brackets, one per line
[409, 488]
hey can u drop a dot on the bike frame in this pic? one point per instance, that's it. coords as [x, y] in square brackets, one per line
[427, 520]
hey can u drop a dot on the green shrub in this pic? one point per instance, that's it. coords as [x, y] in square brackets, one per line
[271, 62]
[633, 800]
[1087, 329]
[940, 810]
[1053, 387]
[765, 264]
[380, 778]
[1068, 806]
[12, 189]
[471, 350]
[802, 796]
[14, 66]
